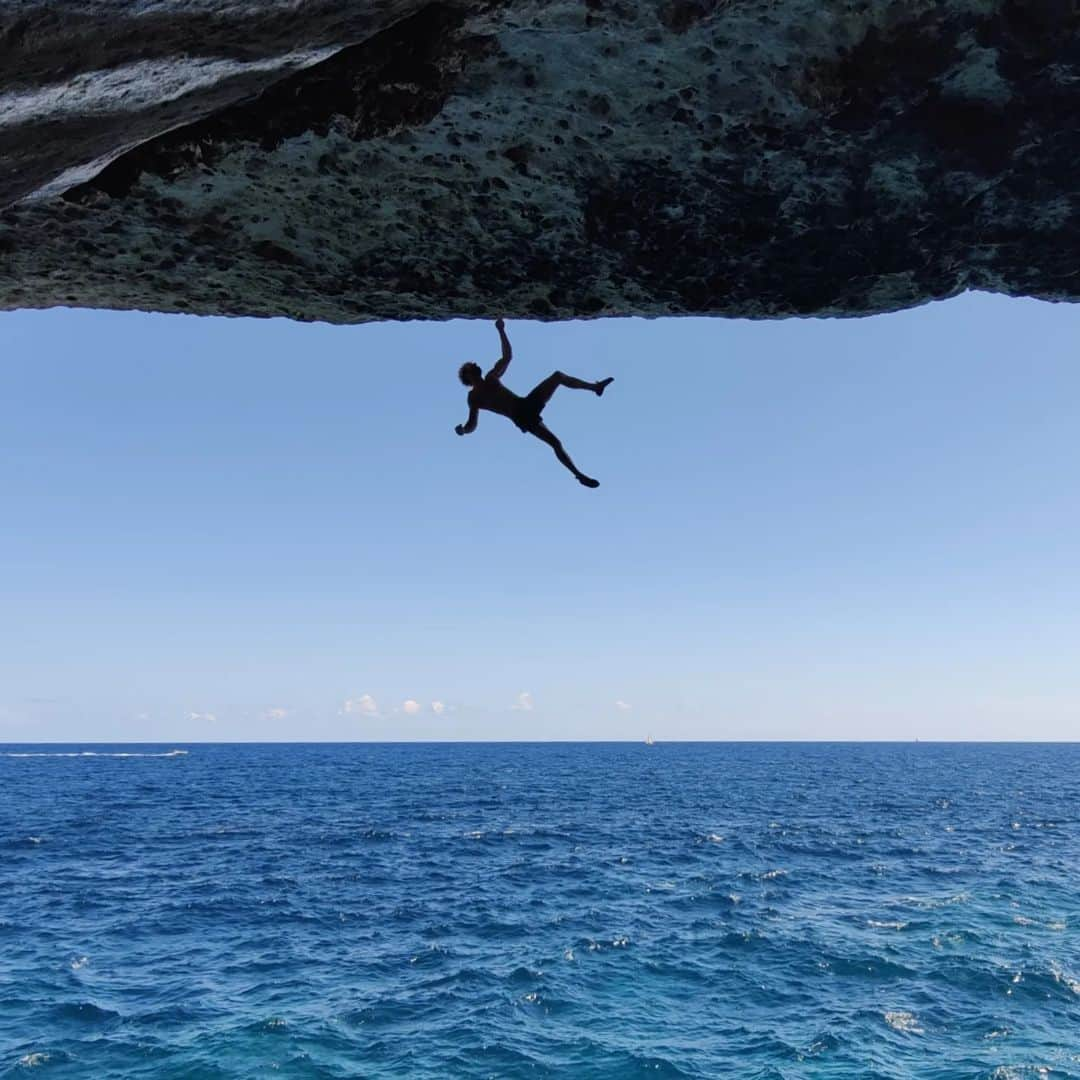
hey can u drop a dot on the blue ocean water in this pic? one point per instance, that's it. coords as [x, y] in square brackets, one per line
[557, 910]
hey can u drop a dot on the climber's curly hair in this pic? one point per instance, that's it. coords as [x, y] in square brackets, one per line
[470, 373]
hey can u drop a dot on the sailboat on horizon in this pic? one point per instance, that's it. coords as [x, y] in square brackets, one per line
[649, 740]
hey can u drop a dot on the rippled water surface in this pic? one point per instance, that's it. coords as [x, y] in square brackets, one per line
[770, 910]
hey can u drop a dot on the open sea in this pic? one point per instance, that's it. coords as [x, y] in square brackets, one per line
[540, 910]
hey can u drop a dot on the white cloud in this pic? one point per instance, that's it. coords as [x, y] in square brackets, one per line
[524, 702]
[411, 707]
[275, 714]
[365, 705]
[438, 708]
[623, 706]
[205, 717]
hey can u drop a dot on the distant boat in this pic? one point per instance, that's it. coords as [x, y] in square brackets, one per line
[649, 741]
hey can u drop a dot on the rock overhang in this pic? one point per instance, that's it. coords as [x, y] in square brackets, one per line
[552, 159]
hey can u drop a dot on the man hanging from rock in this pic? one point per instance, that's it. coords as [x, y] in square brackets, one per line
[488, 392]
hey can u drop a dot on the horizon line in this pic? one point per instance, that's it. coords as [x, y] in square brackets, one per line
[548, 742]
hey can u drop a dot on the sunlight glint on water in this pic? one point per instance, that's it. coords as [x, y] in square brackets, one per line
[768, 910]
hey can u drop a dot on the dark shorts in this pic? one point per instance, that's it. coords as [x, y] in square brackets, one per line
[527, 415]
[527, 420]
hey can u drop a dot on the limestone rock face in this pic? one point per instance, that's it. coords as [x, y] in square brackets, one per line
[348, 160]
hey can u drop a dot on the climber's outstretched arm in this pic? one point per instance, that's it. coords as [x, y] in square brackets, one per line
[507, 353]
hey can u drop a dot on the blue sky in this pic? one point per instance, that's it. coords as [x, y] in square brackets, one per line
[219, 529]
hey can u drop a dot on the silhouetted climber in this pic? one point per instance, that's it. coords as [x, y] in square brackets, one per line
[488, 392]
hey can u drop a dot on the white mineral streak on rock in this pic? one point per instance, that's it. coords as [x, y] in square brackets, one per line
[138, 86]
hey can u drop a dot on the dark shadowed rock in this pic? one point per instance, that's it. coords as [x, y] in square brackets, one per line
[552, 159]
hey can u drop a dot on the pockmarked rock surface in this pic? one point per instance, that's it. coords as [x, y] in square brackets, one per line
[388, 159]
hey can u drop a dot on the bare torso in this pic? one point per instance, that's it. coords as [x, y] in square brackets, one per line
[490, 394]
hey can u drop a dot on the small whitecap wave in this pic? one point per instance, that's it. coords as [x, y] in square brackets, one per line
[820, 1046]
[931, 902]
[1065, 979]
[79, 963]
[955, 938]
[902, 1021]
[91, 753]
[772, 875]
[883, 925]
[30, 1061]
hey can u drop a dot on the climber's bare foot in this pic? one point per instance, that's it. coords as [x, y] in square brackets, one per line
[588, 481]
[602, 385]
